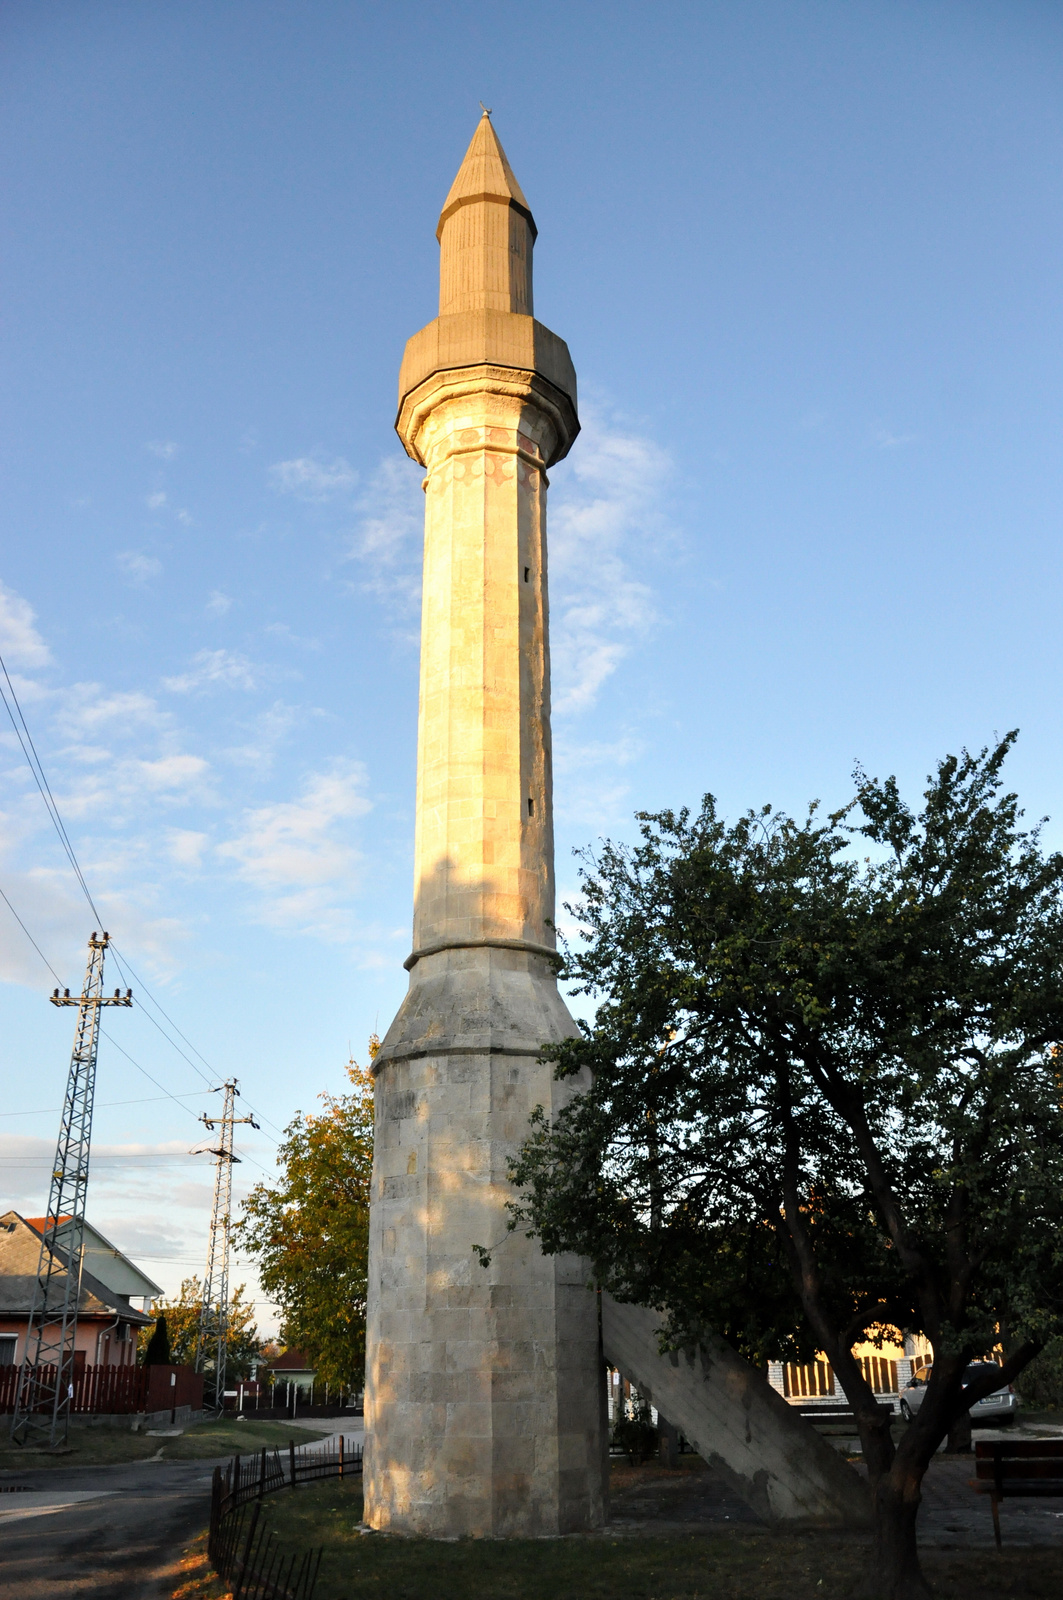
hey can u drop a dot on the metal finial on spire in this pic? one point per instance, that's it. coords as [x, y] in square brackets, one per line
[485, 109]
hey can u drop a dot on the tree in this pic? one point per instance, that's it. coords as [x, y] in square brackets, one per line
[181, 1320]
[310, 1230]
[157, 1349]
[826, 1098]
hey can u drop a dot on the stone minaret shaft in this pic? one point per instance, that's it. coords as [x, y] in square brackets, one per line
[482, 1386]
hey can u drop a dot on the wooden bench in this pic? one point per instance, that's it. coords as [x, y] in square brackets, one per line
[1012, 1467]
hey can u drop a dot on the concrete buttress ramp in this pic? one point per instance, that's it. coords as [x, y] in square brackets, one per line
[767, 1452]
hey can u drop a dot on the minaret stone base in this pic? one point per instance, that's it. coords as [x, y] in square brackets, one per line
[484, 1400]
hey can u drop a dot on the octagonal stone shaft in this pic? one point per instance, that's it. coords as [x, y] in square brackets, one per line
[483, 1385]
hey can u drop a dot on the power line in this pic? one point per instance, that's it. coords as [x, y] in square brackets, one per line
[123, 961]
[44, 958]
[166, 1093]
[102, 1161]
[141, 984]
[120, 958]
[29, 750]
[42, 783]
[107, 1036]
[31, 939]
[147, 1074]
[125, 966]
[103, 1105]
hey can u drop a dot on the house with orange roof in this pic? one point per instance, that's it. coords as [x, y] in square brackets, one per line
[108, 1322]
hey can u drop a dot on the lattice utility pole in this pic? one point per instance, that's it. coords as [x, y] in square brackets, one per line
[214, 1312]
[46, 1379]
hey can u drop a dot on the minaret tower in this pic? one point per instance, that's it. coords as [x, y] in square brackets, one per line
[483, 1385]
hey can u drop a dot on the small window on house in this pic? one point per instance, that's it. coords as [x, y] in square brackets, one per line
[121, 1333]
[8, 1346]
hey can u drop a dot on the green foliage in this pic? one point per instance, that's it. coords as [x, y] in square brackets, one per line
[634, 1433]
[1041, 1385]
[181, 1318]
[157, 1349]
[821, 1096]
[310, 1231]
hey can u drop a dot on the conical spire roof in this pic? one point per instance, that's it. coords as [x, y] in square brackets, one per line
[485, 174]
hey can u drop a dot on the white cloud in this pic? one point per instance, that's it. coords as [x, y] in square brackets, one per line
[85, 709]
[885, 439]
[28, 1159]
[311, 479]
[570, 757]
[388, 538]
[138, 567]
[51, 907]
[598, 607]
[124, 790]
[51, 904]
[392, 521]
[159, 500]
[223, 667]
[281, 630]
[268, 732]
[293, 842]
[608, 492]
[589, 793]
[218, 604]
[298, 852]
[165, 449]
[20, 643]
[186, 847]
[170, 772]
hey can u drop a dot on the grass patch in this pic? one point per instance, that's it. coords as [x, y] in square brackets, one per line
[722, 1564]
[198, 1580]
[104, 1447]
[227, 1437]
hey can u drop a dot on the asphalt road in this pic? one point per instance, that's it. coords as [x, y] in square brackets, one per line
[109, 1533]
[105, 1533]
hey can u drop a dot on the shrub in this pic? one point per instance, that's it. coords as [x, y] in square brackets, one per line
[1041, 1384]
[634, 1433]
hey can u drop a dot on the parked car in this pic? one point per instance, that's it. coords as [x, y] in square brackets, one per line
[1001, 1406]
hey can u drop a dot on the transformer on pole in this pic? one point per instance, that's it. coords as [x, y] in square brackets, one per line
[214, 1312]
[47, 1375]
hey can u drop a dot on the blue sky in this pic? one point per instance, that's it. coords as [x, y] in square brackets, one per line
[806, 258]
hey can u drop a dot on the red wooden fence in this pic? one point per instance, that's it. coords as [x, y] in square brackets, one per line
[110, 1391]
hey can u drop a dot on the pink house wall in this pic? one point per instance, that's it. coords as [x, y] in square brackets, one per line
[94, 1341]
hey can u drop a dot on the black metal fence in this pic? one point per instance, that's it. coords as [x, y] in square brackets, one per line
[241, 1549]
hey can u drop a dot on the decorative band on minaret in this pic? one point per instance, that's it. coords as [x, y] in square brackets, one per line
[483, 1385]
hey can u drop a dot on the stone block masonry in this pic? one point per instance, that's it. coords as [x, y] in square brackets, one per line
[484, 1402]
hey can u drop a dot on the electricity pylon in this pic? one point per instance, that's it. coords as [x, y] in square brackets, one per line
[214, 1312]
[46, 1378]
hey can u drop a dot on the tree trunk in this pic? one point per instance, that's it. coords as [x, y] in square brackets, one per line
[874, 1424]
[959, 1440]
[667, 1443]
[895, 1573]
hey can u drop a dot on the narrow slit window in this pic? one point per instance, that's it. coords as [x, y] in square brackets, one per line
[531, 806]
[527, 574]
